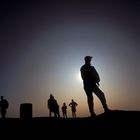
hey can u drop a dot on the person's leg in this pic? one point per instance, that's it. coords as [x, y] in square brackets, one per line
[72, 114]
[66, 114]
[102, 98]
[49, 113]
[58, 115]
[75, 114]
[55, 114]
[90, 103]
[3, 113]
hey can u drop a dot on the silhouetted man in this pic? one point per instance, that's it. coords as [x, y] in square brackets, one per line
[73, 105]
[3, 106]
[91, 81]
[64, 110]
[53, 106]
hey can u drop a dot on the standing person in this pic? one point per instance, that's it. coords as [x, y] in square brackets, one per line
[73, 106]
[53, 106]
[91, 81]
[57, 112]
[3, 106]
[64, 110]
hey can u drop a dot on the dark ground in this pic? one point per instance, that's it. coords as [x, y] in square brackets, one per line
[112, 125]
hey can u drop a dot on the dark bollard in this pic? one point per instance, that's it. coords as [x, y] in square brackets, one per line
[26, 111]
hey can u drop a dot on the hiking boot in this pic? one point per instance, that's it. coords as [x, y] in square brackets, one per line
[107, 110]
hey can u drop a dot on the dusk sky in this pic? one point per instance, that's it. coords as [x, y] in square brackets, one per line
[43, 46]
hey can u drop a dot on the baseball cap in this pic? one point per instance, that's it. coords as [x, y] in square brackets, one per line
[88, 57]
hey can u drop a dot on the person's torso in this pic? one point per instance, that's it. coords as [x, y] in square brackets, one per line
[89, 73]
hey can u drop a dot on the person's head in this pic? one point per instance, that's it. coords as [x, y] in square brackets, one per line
[88, 59]
[51, 96]
[2, 97]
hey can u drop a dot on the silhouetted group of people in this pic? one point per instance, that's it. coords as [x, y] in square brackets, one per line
[73, 106]
[91, 81]
[54, 108]
[91, 84]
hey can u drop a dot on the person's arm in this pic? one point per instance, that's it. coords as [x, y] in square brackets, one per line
[76, 104]
[96, 76]
[82, 74]
[48, 104]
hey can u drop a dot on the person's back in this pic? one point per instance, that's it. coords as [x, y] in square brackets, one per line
[3, 106]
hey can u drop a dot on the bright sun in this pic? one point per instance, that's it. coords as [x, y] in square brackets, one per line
[78, 77]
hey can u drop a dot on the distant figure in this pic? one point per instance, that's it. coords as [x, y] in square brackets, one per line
[64, 110]
[3, 106]
[73, 105]
[53, 106]
[91, 81]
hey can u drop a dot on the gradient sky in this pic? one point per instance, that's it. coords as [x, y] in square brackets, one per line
[43, 47]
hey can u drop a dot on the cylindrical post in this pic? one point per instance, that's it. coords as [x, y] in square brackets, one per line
[26, 110]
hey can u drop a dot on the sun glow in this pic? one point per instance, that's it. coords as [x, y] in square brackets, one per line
[78, 77]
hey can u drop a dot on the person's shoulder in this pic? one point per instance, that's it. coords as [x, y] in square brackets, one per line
[93, 67]
[83, 66]
[5, 100]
